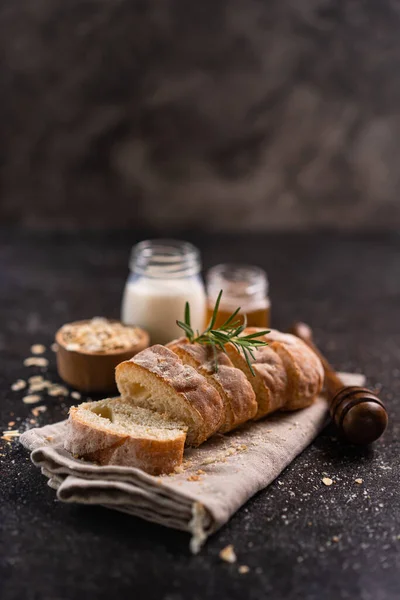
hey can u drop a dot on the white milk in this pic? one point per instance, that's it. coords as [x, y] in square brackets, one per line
[157, 303]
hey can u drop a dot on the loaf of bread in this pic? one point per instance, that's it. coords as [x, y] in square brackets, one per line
[157, 379]
[232, 385]
[113, 432]
[172, 396]
[288, 374]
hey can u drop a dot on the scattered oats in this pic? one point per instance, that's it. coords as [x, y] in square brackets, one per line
[38, 409]
[54, 347]
[99, 335]
[228, 554]
[243, 569]
[327, 481]
[39, 386]
[36, 361]
[57, 390]
[11, 423]
[335, 538]
[358, 480]
[35, 379]
[20, 384]
[38, 349]
[32, 399]
[10, 435]
[76, 395]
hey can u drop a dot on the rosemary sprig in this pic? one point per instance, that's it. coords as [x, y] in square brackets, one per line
[228, 332]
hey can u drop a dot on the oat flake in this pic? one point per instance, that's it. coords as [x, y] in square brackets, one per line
[31, 399]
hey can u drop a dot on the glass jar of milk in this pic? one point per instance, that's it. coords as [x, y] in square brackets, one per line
[165, 274]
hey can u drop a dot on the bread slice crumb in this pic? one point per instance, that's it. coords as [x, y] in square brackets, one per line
[228, 554]
[194, 478]
[327, 481]
[358, 480]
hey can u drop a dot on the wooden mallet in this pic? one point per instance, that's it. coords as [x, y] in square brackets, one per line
[356, 411]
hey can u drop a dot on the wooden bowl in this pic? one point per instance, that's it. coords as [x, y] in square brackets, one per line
[94, 372]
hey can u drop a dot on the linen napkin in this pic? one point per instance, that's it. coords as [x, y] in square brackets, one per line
[214, 481]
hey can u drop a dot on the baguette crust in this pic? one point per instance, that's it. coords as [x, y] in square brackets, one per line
[97, 442]
[269, 381]
[231, 383]
[304, 370]
[165, 370]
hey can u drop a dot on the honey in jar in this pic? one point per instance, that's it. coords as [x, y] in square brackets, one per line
[242, 285]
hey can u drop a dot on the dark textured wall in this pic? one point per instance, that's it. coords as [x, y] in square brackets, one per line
[214, 113]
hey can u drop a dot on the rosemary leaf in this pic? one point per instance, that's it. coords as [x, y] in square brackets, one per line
[228, 332]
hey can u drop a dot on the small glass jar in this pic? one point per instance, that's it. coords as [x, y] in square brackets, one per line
[243, 285]
[165, 274]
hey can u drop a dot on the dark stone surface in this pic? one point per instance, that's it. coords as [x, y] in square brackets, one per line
[263, 113]
[348, 288]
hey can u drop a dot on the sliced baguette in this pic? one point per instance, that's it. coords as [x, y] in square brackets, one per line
[232, 385]
[112, 432]
[269, 381]
[304, 370]
[157, 379]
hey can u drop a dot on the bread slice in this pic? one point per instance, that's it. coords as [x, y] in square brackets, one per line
[112, 432]
[269, 381]
[303, 367]
[232, 385]
[157, 379]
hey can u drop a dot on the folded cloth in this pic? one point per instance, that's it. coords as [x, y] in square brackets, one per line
[214, 481]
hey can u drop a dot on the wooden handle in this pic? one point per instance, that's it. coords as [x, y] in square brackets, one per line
[357, 412]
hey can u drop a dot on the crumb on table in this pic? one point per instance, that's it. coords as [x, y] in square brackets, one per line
[228, 554]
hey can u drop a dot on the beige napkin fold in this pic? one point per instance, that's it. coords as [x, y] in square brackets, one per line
[214, 482]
